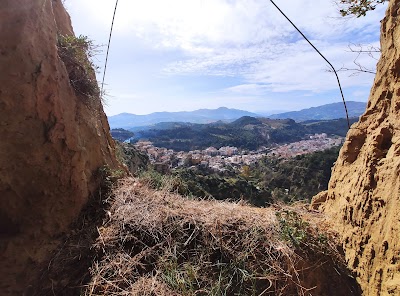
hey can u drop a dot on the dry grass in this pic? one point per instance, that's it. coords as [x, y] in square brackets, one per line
[77, 54]
[159, 243]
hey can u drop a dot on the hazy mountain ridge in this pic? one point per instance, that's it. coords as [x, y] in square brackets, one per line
[202, 116]
[324, 112]
[127, 120]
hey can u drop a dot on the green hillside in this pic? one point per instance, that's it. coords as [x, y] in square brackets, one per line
[245, 133]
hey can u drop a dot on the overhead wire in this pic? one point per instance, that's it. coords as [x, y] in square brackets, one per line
[108, 47]
[316, 49]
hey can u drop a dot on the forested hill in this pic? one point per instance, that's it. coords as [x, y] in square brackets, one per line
[246, 132]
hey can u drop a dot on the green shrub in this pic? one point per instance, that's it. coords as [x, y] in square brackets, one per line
[293, 228]
[109, 176]
[299, 232]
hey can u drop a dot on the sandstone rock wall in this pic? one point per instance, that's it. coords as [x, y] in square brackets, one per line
[363, 198]
[52, 139]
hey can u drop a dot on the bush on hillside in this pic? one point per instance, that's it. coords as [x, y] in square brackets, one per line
[76, 53]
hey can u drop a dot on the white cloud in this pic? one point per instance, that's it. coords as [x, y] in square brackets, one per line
[256, 43]
[245, 39]
[300, 68]
[249, 89]
[280, 67]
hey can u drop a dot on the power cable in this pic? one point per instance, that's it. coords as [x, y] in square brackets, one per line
[108, 47]
[337, 76]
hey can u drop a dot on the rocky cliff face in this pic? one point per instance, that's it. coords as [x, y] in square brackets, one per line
[53, 137]
[363, 198]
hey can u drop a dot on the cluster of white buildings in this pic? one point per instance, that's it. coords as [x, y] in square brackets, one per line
[316, 142]
[219, 159]
[212, 157]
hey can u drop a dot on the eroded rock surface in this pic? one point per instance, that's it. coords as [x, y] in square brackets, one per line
[363, 197]
[52, 139]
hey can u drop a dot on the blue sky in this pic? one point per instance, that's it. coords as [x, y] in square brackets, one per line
[182, 55]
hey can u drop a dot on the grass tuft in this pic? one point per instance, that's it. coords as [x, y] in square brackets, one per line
[76, 53]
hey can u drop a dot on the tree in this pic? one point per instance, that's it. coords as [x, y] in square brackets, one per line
[358, 7]
[246, 172]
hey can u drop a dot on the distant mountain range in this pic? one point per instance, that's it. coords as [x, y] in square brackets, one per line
[324, 112]
[127, 120]
[246, 133]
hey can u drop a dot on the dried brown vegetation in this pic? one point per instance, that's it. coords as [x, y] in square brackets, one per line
[159, 243]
